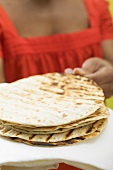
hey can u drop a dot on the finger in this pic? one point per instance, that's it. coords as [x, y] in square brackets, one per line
[92, 64]
[68, 71]
[80, 71]
[102, 76]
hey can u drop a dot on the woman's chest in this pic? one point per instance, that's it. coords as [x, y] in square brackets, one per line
[32, 20]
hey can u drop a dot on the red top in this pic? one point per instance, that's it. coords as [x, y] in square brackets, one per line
[24, 57]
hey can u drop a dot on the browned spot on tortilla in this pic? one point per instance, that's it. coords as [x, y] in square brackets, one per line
[6, 130]
[70, 132]
[32, 136]
[18, 133]
[49, 137]
[64, 115]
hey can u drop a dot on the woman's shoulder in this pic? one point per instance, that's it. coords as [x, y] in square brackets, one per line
[5, 21]
[3, 15]
[97, 4]
[98, 8]
[98, 1]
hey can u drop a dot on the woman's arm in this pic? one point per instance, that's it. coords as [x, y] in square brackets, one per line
[2, 79]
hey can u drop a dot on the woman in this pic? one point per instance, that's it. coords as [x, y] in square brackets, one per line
[40, 36]
[77, 38]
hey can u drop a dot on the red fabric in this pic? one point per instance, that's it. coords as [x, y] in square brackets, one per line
[24, 57]
[63, 166]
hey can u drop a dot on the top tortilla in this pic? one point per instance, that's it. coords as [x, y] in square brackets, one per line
[49, 100]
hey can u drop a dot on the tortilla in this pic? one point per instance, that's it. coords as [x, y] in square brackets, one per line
[99, 114]
[52, 109]
[36, 105]
[71, 136]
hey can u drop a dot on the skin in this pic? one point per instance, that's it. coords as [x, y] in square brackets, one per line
[54, 17]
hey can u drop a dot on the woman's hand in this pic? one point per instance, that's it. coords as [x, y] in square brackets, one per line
[100, 70]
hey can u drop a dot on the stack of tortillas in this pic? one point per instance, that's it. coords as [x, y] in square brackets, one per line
[52, 109]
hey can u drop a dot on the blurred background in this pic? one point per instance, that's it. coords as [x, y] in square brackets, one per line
[110, 101]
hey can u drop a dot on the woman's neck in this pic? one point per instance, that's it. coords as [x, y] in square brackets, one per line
[39, 3]
[42, 2]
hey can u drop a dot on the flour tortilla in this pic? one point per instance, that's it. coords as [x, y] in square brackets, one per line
[52, 109]
[99, 114]
[49, 100]
[69, 137]
[28, 131]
